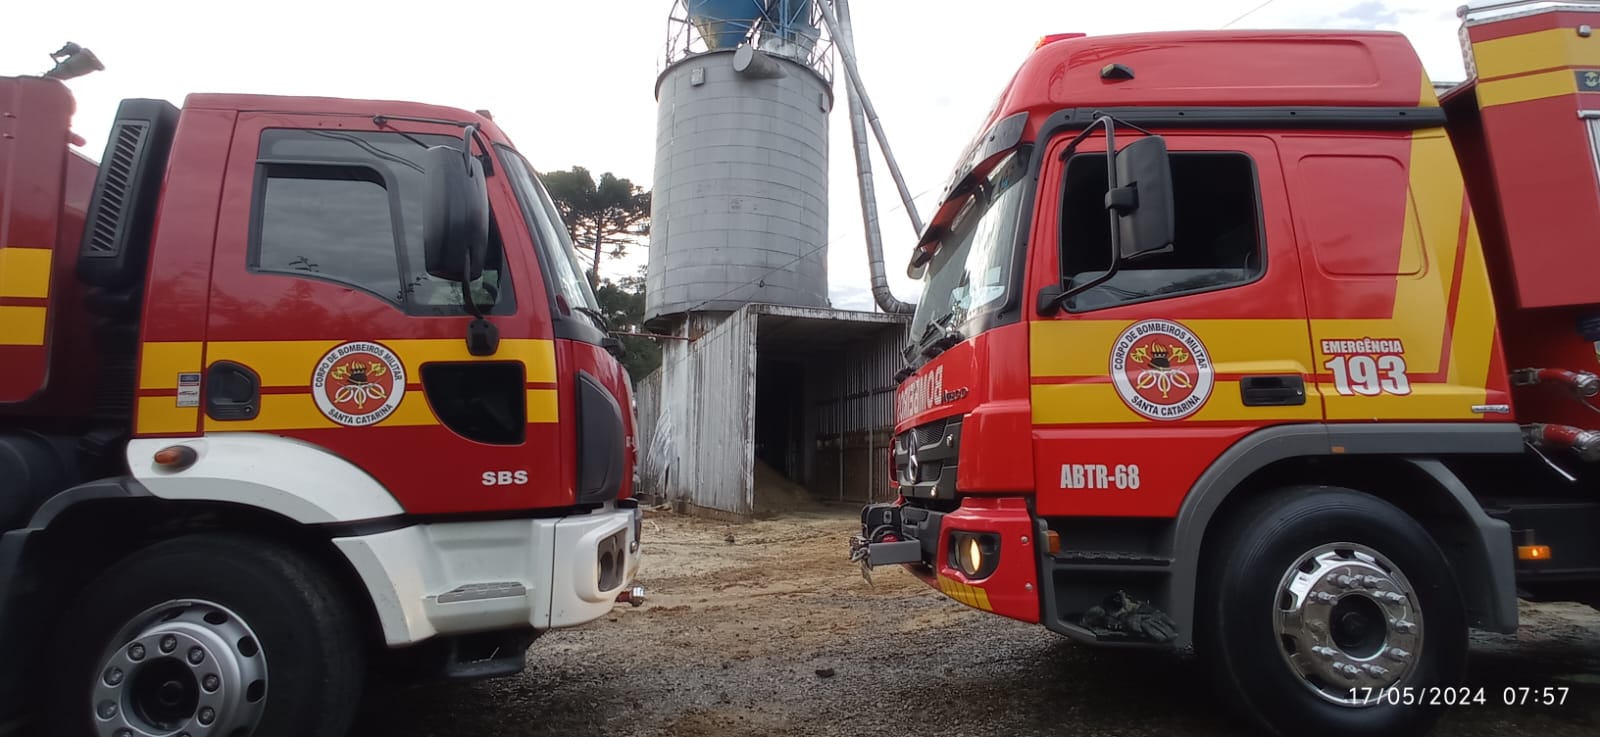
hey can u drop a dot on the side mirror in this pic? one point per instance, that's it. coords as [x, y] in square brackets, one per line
[455, 231]
[614, 347]
[1142, 199]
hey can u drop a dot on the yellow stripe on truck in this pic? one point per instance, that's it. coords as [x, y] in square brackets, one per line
[21, 325]
[291, 362]
[967, 594]
[299, 412]
[25, 272]
[161, 362]
[1083, 347]
[1094, 404]
[544, 406]
[1512, 90]
[162, 416]
[1535, 52]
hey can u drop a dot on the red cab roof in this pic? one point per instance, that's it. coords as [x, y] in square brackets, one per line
[340, 106]
[1220, 68]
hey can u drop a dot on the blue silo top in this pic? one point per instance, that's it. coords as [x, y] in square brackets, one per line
[724, 23]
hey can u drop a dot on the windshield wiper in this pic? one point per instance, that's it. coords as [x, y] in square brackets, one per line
[597, 316]
[947, 337]
[611, 343]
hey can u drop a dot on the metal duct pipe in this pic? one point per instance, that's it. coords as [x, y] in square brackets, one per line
[869, 198]
[848, 55]
[756, 65]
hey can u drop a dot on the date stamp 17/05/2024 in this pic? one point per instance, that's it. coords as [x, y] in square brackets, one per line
[1462, 696]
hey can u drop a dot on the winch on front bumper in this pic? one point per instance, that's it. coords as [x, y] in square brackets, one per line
[894, 534]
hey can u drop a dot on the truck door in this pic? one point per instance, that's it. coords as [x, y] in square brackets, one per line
[324, 327]
[1390, 256]
[1139, 383]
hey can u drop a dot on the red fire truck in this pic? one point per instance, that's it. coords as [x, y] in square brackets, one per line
[288, 387]
[1301, 378]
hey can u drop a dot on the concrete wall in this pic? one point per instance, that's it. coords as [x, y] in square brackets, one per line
[739, 210]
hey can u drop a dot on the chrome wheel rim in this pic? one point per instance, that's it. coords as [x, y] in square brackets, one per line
[1349, 623]
[182, 668]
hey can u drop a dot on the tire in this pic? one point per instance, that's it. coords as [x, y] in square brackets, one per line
[1239, 620]
[266, 621]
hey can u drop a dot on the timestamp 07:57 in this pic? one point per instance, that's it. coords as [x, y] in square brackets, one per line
[1461, 696]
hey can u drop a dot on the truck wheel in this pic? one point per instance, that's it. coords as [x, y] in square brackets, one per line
[1332, 612]
[207, 635]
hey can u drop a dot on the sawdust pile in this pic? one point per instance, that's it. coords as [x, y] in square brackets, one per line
[776, 494]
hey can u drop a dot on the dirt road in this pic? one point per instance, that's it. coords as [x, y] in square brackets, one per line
[765, 628]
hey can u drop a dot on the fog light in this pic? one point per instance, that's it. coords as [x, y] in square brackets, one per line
[975, 554]
[970, 556]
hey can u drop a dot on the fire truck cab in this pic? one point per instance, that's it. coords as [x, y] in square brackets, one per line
[290, 387]
[1301, 378]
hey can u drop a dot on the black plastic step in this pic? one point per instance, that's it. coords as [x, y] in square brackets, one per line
[1072, 558]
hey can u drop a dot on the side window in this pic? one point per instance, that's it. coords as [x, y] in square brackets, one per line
[1217, 223]
[346, 206]
[332, 221]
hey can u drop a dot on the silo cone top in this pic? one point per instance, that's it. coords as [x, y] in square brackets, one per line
[724, 23]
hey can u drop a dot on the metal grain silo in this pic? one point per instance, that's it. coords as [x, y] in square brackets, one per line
[740, 187]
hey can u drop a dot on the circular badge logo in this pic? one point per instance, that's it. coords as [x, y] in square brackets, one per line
[1161, 370]
[358, 383]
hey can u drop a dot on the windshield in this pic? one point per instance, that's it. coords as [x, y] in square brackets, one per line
[972, 267]
[550, 233]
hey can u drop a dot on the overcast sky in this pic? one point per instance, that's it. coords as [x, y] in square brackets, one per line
[572, 83]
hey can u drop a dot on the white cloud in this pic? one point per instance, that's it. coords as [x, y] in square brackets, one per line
[572, 83]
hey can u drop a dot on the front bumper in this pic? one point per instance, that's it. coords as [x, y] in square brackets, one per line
[921, 540]
[462, 577]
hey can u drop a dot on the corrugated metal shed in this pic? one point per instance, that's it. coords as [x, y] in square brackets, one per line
[824, 410]
[695, 413]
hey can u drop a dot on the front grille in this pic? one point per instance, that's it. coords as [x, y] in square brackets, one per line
[935, 445]
[929, 432]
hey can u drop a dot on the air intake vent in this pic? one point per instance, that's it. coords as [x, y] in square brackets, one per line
[110, 218]
[116, 237]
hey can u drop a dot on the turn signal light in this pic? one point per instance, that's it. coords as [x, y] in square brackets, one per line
[1533, 552]
[176, 457]
[1054, 539]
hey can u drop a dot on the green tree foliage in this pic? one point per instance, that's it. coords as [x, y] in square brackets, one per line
[622, 302]
[612, 213]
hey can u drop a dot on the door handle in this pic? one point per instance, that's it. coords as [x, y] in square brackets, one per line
[233, 391]
[1273, 391]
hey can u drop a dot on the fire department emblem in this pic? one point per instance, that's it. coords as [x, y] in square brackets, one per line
[358, 383]
[1161, 370]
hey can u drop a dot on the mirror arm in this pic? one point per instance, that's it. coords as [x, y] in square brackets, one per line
[484, 158]
[1051, 298]
[483, 338]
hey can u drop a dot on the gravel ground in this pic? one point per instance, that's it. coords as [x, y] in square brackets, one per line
[775, 632]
